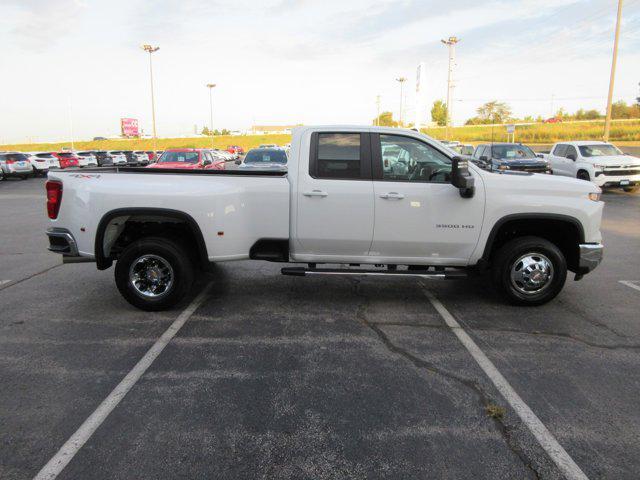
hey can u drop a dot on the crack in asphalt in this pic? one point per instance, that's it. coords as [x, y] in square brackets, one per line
[484, 398]
[567, 336]
[16, 282]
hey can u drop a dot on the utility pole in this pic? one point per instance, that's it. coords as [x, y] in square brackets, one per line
[71, 122]
[451, 44]
[607, 122]
[401, 80]
[211, 86]
[150, 50]
[553, 114]
[377, 122]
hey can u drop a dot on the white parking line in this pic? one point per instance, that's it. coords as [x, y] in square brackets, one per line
[60, 460]
[631, 283]
[546, 440]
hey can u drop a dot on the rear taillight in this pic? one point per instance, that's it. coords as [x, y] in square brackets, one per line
[54, 198]
[9, 161]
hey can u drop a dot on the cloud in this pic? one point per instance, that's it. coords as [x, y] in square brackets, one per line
[37, 24]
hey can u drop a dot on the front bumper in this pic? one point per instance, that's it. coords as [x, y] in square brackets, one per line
[612, 181]
[590, 257]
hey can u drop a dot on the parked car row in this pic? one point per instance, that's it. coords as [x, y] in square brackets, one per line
[598, 162]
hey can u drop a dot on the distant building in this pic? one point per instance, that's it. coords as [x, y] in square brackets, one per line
[272, 129]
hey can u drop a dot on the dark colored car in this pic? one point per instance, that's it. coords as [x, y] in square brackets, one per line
[132, 158]
[104, 159]
[509, 157]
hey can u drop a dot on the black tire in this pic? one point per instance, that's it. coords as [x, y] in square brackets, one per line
[24, 177]
[583, 175]
[172, 254]
[507, 258]
[634, 189]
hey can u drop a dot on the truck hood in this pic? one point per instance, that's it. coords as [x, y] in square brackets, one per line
[612, 160]
[537, 183]
[521, 162]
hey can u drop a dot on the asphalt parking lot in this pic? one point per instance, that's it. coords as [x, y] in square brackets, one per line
[282, 377]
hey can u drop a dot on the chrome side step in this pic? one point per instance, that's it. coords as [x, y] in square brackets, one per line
[442, 274]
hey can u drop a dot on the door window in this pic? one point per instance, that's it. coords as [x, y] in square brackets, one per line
[571, 149]
[560, 150]
[405, 159]
[338, 156]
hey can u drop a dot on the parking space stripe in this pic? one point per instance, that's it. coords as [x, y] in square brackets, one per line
[546, 440]
[630, 283]
[61, 459]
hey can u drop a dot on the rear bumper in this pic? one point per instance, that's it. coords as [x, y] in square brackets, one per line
[61, 241]
[590, 257]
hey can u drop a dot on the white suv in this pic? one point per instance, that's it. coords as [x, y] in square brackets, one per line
[87, 159]
[599, 162]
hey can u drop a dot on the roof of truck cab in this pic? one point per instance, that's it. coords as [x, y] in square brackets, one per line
[579, 143]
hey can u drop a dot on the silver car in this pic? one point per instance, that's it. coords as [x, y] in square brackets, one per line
[15, 164]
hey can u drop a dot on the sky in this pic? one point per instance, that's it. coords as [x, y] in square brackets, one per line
[76, 66]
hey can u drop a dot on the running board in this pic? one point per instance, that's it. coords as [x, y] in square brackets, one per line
[446, 275]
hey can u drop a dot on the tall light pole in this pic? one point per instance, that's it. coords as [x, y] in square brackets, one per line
[401, 80]
[211, 86]
[149, 49]
[377, 122]
[607, 122]
[451, 43]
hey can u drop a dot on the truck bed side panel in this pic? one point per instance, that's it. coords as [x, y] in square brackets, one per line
[233, 212]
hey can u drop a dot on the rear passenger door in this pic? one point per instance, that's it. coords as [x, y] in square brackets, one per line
[559, 163]
[334, 214]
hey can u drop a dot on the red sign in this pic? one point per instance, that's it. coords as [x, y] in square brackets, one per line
[129, 127]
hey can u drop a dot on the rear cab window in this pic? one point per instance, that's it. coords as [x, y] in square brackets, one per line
[560, 150]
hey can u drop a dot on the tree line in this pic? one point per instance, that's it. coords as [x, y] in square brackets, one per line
[495, 112]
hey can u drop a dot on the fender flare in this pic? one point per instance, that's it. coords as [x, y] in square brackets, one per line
[529, 216]
[103, 262]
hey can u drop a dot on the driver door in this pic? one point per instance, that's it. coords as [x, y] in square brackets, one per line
[420, 218]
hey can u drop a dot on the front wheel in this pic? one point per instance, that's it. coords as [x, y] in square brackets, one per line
[154, 273]
[634, 189]
[529, 271]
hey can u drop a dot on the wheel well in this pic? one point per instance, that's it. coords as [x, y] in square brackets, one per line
[564, 233]
[120, 228]
[582, 170]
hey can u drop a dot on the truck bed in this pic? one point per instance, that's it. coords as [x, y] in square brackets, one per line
[233, 209]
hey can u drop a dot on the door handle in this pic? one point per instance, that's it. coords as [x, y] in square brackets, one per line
[392, 195]
[315, 193]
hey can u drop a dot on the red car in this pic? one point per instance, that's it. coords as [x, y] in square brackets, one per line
[66, 159]
[238, 150]
[553, 120]
[189, 159]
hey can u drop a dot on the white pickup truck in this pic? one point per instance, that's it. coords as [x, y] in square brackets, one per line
[370, 200]
[599, 162]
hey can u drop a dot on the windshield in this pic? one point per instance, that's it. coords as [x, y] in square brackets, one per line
[511, 152]
[65, 154]
[181, 157]
[44, 155]
[266, 156]
[602, 150]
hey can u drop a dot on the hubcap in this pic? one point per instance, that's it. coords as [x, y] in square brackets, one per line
[151, 276]
[531, 273]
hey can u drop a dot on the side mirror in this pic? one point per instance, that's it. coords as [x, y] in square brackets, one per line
[484, 158]
[238, 161]
[539, 155]
[206, 163]
[571, 156]
[461, 178]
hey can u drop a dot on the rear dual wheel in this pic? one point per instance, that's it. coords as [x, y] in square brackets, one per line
[154, 273]
[529, 271]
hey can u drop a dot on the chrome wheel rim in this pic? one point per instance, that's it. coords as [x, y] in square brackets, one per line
[151, 276]
[531, 273]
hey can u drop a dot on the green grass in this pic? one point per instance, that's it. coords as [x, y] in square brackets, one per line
[621, 131]
[628, 131]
